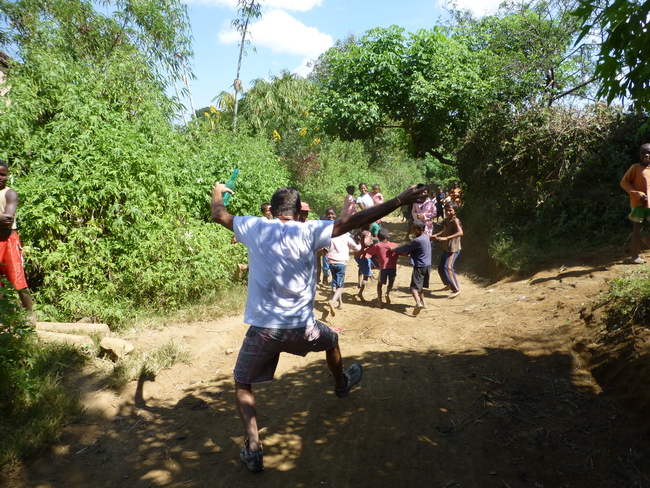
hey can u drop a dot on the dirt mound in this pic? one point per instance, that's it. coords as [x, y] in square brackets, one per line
[504, 386]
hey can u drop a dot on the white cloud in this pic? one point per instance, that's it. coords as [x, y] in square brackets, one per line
[282, 34]
[298, 5]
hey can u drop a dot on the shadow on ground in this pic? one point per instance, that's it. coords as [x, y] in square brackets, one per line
[417, 419]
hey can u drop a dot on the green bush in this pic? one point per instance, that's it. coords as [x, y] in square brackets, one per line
[545, 182]
[33, 403]
[340, 163]
[114, 201]
[628, 300]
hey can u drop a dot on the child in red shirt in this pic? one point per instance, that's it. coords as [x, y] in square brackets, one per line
[387, 262]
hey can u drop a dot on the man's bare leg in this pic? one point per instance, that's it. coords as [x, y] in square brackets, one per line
[335, 364]
[248, 413]
[379, 295]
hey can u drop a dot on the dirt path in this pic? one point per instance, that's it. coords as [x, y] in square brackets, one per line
[485, 390]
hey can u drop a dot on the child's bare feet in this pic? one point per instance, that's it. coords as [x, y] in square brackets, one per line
[446, 288]
[360, 297]
[387, 298]
[417, 309]
[331, 304]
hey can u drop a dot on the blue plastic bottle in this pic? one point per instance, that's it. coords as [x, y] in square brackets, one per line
[230, 184]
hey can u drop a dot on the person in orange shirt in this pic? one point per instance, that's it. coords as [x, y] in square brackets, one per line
[454, 194]
[636, 183]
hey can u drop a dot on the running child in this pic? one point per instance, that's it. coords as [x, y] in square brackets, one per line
[449, 237]
[365, 240]
[337, 257]
[419, 250]
[387, 263]
[322, 263]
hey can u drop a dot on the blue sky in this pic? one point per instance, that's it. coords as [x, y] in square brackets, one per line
[291, 33]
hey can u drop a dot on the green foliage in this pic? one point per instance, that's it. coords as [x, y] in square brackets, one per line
[33, 403]
[425, 83]
[549, 180]
[114, 202]
[156, 32]
[628, 300]
[278, 109]
[439, 174]
[15, 331]
[622, 67]
[528, 51]
[340, 164]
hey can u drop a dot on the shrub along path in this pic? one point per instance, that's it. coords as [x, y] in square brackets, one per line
[491, 389]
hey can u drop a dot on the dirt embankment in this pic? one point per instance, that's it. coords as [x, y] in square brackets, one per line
[504, 386]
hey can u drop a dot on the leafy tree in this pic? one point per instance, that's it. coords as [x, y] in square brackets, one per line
[279, 109]
[114, 200]
[622, 67]
[426, 84]
[158, 30]
[528, 51]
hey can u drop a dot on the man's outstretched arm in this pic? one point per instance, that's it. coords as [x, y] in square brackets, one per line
[219, 213]
[345, 224]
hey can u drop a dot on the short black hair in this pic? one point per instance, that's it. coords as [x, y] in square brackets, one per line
[4, 163]
[419, 224]
[383, 234]
[453, 205]
[350, 189]
[285, 201]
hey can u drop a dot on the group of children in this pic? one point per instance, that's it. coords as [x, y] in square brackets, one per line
[373, 242]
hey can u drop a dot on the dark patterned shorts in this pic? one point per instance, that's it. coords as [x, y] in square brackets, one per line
[420, 278]
[260, 351]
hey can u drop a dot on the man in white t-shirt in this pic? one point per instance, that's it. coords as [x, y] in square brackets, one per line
[281, 292]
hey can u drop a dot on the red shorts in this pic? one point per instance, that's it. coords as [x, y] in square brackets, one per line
[11, 261]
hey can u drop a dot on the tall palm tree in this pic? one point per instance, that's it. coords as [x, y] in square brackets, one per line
[248, 9]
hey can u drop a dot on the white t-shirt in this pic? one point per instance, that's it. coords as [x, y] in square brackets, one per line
[340, 246]
[282, 269]
[366, 199]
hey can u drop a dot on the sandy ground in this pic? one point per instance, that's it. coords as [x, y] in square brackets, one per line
[491, 389]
